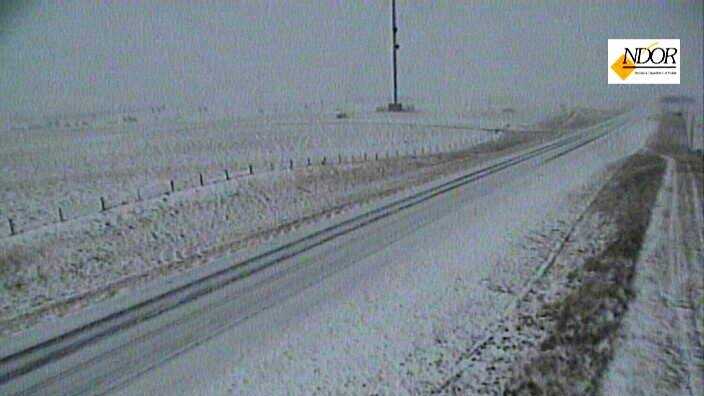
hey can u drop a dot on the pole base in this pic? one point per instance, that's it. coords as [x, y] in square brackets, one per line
[395, 107]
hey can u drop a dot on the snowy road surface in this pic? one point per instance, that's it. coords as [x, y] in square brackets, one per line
[341, 315]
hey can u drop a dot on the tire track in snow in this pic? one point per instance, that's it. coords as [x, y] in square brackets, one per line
[699, 252]
[696, 294]
[680, 298]
[698, 209]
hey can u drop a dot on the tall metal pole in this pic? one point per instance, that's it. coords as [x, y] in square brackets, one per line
[394, 29]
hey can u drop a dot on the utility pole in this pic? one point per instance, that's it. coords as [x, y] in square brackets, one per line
[395, 106]
[690, 128]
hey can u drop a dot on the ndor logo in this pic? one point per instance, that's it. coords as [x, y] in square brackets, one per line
[655, 61]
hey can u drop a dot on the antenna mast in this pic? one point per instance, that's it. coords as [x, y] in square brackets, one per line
[395, 106]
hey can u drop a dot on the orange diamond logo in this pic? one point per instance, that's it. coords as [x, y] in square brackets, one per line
[618, 67]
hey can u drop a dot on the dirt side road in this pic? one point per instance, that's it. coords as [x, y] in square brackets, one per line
[660, 350]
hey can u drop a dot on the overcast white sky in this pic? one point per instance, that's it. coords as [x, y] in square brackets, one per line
[81, 56]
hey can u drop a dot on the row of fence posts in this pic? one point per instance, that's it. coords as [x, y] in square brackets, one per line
[250, 170]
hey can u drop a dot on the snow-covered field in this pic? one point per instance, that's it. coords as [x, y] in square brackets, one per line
[44, 169]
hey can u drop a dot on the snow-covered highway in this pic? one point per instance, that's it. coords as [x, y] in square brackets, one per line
[338, 308]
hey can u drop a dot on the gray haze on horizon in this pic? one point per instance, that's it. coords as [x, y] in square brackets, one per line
[81, 56]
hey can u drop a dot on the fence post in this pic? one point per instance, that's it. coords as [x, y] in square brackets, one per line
[227, 175]
[290, 164]
[339, 158]
[12, 226]
[376, 156]
[325, 159]
[103, 207]
[251, 169]
[308, 161]
[61, 215]
[200, 177]
[172, 185]
[272, 166]
[139, 195]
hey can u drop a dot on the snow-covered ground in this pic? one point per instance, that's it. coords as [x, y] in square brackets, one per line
[398, 321]
[90, 257]
[42, 170]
